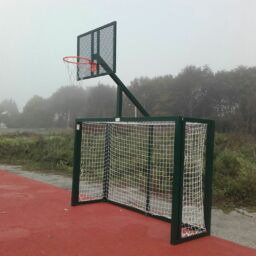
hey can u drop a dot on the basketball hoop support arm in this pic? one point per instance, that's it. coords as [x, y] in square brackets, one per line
[120, 89]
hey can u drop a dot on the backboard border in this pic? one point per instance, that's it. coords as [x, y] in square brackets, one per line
[114, 24]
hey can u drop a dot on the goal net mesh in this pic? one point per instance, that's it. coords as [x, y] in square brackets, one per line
[132, 163]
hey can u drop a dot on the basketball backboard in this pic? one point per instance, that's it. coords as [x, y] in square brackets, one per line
[102, 42]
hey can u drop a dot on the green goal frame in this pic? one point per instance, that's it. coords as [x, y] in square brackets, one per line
[178, 174]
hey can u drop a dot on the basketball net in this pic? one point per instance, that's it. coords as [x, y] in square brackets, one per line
[77, 66]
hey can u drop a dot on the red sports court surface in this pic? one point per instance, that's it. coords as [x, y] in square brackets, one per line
[36, 219]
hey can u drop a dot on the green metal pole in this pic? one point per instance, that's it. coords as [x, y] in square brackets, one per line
[119, 102]
[177, 182]
[129, 94]
[208, 175]
[106, 163]
[121, 85]
[76, 164]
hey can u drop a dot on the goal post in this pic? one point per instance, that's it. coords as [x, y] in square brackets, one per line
[159, 166]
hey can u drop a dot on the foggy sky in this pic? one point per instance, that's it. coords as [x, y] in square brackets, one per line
[153, 38]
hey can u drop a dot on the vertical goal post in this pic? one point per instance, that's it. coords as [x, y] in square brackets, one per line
[158, 166]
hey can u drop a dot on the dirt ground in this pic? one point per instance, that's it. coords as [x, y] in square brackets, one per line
[238, 225]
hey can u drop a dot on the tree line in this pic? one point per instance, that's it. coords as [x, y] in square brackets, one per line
[228, 97]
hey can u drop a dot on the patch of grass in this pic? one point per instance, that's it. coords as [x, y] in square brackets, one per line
[234, 183]
[38, 151]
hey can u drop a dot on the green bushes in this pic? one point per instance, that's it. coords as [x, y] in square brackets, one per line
[234, 181]
[47, 151]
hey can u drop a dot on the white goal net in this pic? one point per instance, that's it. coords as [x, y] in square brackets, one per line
[132, 163]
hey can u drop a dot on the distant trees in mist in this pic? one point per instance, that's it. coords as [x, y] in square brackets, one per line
[229, 97]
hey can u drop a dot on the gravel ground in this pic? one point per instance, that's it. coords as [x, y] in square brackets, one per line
[238, 225]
